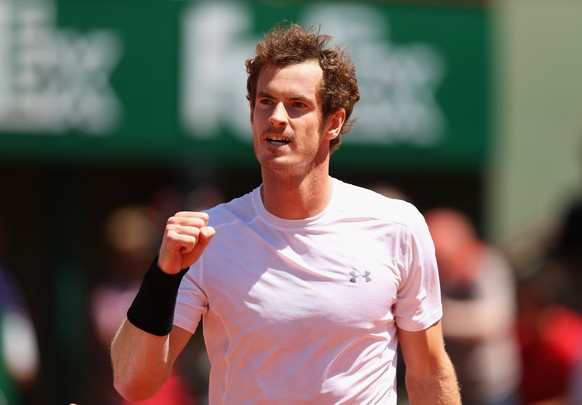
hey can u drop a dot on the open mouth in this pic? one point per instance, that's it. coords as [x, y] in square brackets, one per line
[277, 140]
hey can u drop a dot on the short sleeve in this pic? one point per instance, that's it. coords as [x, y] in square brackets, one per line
[418, 304]
[191, 302]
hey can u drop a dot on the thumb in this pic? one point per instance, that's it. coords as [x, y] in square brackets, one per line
[206, 235]
[204, 238]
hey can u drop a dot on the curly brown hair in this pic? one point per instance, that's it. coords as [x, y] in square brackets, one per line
[290, 44]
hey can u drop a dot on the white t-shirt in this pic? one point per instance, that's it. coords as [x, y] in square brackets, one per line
[306, 311]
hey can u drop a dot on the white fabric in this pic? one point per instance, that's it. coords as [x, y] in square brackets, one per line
[289, 315]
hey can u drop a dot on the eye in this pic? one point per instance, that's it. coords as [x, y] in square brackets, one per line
[298, 104]
[265, 101]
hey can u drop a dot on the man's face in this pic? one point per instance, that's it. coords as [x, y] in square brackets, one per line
[286, 119]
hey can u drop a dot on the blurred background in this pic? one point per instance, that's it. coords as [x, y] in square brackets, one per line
[116, 114]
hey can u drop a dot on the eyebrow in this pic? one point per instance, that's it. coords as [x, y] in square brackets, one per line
[292, 98]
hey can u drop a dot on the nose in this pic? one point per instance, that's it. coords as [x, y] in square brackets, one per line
[279, 116]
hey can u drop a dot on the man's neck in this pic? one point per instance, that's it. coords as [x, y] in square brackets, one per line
[294, 197]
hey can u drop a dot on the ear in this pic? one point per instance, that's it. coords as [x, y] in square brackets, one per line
[334, 124]
[252, 120]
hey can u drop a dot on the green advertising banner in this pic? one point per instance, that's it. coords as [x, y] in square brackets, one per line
[165, 81]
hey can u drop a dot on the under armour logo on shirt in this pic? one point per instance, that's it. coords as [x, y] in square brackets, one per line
[356, 276]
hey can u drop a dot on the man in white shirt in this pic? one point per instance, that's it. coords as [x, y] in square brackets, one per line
[305, 285]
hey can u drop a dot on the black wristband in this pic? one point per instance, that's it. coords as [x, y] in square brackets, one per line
[153, 307]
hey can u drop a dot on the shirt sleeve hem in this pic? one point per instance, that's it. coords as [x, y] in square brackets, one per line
[411, 325]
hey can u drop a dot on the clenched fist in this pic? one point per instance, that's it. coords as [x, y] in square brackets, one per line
[186, 236]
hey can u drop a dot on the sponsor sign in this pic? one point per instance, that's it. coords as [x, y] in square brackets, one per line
[165, 80]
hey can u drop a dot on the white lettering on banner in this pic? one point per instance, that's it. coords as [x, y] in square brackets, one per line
[216, 42]
[54, 80]
[397, 82]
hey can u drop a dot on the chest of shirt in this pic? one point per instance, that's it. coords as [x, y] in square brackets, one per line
[346, 279]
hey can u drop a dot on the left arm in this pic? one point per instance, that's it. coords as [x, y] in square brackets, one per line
[430, 375]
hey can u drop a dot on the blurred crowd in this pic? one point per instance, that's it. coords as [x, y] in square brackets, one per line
[513, 326]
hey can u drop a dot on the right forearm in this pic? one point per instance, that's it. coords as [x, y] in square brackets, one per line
[141, 362]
